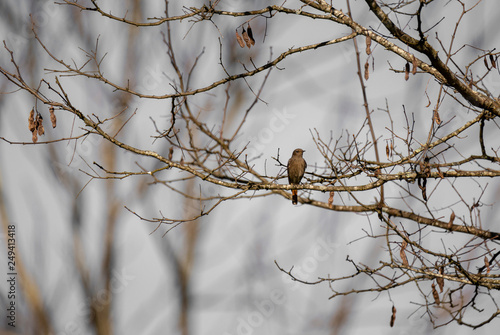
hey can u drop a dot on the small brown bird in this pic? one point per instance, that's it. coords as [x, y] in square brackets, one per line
[296, 168]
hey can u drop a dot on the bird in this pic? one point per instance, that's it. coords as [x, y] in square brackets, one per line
[296, 168]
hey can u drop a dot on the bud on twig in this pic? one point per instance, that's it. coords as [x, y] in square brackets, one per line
[469, 84]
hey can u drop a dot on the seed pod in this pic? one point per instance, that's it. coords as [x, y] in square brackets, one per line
[39, 125]
[41, 129]
[422, 184]
[435, 294]
[487, 264]
[367, 70]
[31, 121]
[246, 38]
[436, 117]
[240, 40]
[493, 61]
[250, 34]
[387, 152]
[427, 167]
[368, 44]
[486, 63]
[170, 153]
[330, 199]
[441, 175]
[404, 259]
[429, 102]
[452, 218]
[440, 280]
[53, 119]
[34, 136]
[414, 64]
[407, 71]
[393, 316]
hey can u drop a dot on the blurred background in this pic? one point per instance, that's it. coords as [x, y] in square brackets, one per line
[87, 265]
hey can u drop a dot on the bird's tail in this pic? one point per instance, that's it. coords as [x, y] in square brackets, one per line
[294, 197]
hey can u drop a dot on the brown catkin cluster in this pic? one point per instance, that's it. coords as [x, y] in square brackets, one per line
[35, 123]
[247, 37]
